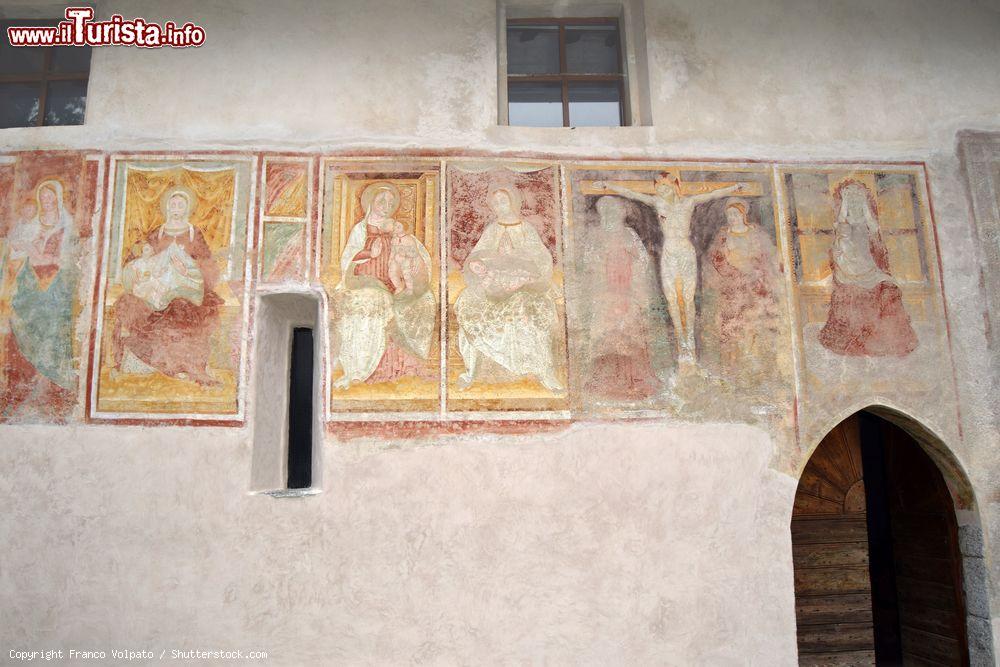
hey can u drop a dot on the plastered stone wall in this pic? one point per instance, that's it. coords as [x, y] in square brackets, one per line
[592, 548]
[664, 542]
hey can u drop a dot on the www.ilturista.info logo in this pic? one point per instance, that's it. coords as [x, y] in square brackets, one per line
[79, 29]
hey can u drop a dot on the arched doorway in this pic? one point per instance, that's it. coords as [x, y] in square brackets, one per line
[878, 566]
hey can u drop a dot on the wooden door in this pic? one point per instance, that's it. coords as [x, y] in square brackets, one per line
[833, 603]
[926, 557]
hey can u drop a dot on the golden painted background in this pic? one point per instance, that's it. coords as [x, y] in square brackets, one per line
[156, 393]
[418, 211]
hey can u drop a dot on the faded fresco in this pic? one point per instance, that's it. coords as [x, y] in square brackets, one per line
[506, 311]
[380, 267]
[171, 331]
[869, 294]
[677, 292]
[684, 289]
[46, 204]
[286, 211]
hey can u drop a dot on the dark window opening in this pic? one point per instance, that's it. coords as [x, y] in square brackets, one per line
[565, 73]
[300, 410]
[42, 85]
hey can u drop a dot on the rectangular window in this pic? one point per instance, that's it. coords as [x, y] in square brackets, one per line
[565, 73]
[42, 85]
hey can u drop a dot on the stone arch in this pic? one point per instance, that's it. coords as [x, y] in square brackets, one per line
[928, 438]
[971, 550]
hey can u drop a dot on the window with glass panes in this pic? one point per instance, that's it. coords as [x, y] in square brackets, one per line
[564, 73]
[41, 85]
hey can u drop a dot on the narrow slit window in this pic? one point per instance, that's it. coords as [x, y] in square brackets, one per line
[286, 408]
[300, 410]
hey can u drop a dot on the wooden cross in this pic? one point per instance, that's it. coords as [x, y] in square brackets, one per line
[687, 188]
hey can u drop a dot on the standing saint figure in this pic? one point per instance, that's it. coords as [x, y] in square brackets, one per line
[616, 317]
[507, 312]
[866, 316]
[385, 306]
[741, 288]
[165, 319]
[678, 258]
[37, 284]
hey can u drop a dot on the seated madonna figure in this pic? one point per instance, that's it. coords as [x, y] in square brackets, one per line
[385, 308]
[866, 316]
[506, 312]
[165, 319]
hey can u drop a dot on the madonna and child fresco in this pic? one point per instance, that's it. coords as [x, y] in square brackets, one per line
[382, 283]
[39, 285]
[171, 329]
[678, 286]
[868, 293]
[507, 317]
[859, 248]
[866, 316]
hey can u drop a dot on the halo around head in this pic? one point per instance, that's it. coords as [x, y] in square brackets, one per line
[850, 184]
[368, 196]
[739, 205]
[609, 202]
[176, 191]
[512, 195]
[52, 184]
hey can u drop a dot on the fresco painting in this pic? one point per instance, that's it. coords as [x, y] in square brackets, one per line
[868, 292]
[286, 211]
[46, 204]
[380, 268]
[171, 334]
[862, 262]
[677, 289]
[506, 308]
[622, 288]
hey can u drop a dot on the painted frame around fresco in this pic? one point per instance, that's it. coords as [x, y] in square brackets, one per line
[827, 381]
[229, 407]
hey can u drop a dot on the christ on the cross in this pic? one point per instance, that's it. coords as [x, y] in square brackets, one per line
[674, 204]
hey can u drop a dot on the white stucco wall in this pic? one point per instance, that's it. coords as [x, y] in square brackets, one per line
[776, 77]
[601, 544]
[615, 544]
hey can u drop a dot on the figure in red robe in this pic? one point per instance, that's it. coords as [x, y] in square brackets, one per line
[621, 364]
[741, 294]
[169, 310]
[866, 316]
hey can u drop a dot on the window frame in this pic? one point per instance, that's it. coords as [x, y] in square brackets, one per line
[564, 78]
[46, 75]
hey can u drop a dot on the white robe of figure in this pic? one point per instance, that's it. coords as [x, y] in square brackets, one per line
[514, 329]
[159, 279]
[368, 313]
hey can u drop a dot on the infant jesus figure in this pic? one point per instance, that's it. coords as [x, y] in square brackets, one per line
[159, 278]
[406, 262]
[501, 276]
[145, 275]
